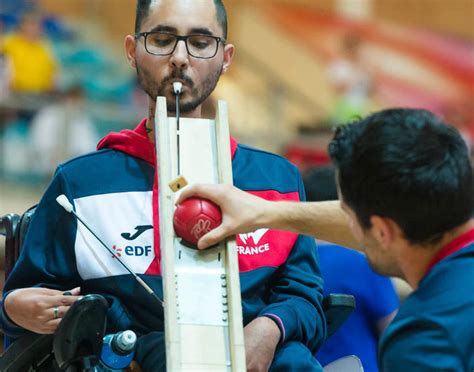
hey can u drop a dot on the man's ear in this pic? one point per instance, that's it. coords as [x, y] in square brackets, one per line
[130, 45]
[229, 50]
[383, 230]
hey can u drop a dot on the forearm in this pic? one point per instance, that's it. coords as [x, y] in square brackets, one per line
[323, 220]
[262, 336]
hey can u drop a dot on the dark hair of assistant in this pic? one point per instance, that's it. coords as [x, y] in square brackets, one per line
[407, 165]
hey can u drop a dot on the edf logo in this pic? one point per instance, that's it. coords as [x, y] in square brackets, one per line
[137, 250]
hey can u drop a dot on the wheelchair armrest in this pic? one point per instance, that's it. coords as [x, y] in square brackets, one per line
[8, 228]
[8, 225]
[337, 308]
[14, 228]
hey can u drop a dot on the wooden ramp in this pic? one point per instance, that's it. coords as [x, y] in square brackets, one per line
[203, 312]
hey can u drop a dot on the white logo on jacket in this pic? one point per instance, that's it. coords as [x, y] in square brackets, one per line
[250, 249]
[256, 236]
[110, 215]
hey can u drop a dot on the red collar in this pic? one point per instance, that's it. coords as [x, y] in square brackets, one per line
[454, 246]
[136, 143]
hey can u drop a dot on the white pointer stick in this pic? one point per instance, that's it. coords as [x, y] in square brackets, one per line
[177, 89]
[64, 202]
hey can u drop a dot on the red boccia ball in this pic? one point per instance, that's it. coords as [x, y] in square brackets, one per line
[195, 217]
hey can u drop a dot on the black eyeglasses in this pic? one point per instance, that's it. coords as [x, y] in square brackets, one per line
[161, 43]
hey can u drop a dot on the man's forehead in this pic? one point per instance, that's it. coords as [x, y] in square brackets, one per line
[182, 15]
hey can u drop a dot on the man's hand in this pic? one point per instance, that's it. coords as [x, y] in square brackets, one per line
[261, 336]
[39, 310]
[241, 211]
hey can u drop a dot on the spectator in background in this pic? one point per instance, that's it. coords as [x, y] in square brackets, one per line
[5, 74]
[352, 81]
[347, 271]
[33, 63]
[61, 131]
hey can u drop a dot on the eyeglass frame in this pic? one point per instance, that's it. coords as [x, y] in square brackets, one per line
[178, 39]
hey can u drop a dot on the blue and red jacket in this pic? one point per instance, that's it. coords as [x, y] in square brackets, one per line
[115, 190]
[434, 328]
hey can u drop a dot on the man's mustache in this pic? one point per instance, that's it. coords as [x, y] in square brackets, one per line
[178, 76]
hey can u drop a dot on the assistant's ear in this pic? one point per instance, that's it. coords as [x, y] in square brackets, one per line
[130, 45]
[229, 50]
[383, 230]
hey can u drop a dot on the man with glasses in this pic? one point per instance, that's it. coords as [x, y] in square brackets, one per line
[115, 188]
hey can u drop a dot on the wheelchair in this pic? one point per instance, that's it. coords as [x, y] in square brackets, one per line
[76, 348]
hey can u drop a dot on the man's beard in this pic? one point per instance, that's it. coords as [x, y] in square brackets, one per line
[154, 89]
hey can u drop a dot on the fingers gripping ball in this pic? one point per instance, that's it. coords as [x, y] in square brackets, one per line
[195, 217]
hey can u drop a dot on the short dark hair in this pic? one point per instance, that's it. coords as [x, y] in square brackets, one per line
[143, 6]
[407, 165]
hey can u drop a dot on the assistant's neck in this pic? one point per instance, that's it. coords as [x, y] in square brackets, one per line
[417, 258]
